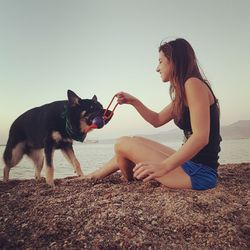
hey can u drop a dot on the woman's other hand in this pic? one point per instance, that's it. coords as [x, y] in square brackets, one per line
[148, 171]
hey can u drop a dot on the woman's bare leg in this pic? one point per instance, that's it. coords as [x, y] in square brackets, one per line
[112, 165]
[126, 166]
[129, 149]
[132, 150]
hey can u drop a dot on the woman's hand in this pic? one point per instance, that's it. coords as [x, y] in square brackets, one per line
[148, 171]
[125, 98]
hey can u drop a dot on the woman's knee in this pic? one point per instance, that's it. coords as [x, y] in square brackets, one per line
[139, 138]
[121, 143]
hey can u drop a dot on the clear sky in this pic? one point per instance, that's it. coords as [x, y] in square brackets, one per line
[102, 47]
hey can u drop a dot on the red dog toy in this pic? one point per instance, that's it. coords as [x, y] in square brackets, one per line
[100, 121]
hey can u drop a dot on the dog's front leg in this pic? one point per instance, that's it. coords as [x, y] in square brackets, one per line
[70, 156]
[49, 151]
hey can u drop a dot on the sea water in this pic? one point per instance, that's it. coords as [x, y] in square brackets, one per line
[93, 156]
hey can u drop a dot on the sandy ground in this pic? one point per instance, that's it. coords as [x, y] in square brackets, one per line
[113, 214]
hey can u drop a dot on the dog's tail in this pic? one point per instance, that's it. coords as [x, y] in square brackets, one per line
[7, 155]
[13, 139]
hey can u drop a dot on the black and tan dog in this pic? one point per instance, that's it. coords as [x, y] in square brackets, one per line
[41, 130]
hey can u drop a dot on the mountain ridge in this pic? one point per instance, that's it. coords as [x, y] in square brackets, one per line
[236, 130]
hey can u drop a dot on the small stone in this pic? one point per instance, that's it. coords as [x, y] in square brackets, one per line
[154, 222]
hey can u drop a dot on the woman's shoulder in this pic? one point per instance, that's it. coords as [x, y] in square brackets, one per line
[194, 83]
[193, 80]
[198, 89]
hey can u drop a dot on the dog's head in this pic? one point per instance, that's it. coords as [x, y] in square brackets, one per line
[80, 114]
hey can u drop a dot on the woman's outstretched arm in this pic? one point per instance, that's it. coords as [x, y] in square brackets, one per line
[152, 117]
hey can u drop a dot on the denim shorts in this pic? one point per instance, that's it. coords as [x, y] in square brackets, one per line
[202, 177]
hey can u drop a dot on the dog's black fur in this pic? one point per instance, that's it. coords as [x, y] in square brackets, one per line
[49, 127]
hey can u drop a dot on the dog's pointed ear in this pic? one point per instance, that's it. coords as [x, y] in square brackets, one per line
[94, 98]
[74, 99]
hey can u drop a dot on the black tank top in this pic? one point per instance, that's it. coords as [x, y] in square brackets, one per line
[209, 154]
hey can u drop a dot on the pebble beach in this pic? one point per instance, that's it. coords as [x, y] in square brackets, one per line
[114, 214]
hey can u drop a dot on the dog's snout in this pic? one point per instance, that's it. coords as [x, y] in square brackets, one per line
[92, 116]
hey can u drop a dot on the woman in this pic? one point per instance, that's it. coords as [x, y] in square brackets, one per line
[194, 109]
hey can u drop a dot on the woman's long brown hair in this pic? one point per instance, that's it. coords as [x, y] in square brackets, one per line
[184, 65]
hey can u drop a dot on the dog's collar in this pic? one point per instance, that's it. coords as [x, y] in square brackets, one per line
[72, 133]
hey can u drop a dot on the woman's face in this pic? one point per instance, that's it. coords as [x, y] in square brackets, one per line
[164, 67]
